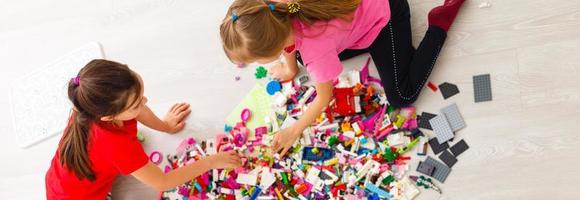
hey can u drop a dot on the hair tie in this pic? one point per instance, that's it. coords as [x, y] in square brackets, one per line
[293, 7]
[76, 80]
[272, 7]
[235, 17]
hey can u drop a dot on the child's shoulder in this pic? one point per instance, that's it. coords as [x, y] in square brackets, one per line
[128, 129]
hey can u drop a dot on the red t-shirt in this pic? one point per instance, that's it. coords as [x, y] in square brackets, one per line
[112, 151]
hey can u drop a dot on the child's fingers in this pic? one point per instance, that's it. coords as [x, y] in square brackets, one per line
[182, 107]
[182, 115]
[285, 151]
[276, 145]
[180, 126]
[235, 159]
[173, 107]
[236, 164]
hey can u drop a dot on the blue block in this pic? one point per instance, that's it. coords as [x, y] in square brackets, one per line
[257, 192]
[374, 189]
[273, 87]
[323, 155]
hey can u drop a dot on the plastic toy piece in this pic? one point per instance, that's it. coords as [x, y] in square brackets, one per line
[408, 147]
[301, 188]
[390, 155]
[156, 157]
[441, 170]
[448, 90]
[273, 87]
[432, 86]
[374, 189]
[459, 148]
[306, 96]
[257, 191]
[448, 158]
[312, 176]
[317, 154]
[267, 179]
[278, 194]
[247, 179]
[407, 189]
[302, 79]
[364, 72]
[345, 103]
[425, 168]
[424, 120]
[332, 140]
[422, 146]
[437, 147]
[441, 129]
[426, 183]
[395, 139]
[399, 121]
[377, 120]
[453, 117]
[261, 72]
[482, 88]
[245, 115]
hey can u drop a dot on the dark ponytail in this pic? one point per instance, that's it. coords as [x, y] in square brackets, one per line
[102, 88]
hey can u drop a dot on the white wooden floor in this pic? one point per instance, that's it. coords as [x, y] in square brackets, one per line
[524, 143]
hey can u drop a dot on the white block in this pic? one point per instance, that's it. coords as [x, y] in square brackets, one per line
[312, 176]
[267, 179]
[395, 139]
[247, 179]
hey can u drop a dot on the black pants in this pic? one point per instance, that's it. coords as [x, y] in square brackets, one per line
[403, 69]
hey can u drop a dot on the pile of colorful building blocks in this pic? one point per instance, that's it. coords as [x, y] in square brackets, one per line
[358, 148]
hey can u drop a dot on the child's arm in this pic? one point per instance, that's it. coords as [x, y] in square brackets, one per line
[285, 70]
[173, 121]
[151, 175]
[285, 138]
[291, 63]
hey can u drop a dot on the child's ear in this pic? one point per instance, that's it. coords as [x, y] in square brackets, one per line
[107, 118]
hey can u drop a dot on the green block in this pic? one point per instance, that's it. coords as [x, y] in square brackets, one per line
[259, 103]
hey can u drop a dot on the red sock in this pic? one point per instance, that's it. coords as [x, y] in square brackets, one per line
[443, 16]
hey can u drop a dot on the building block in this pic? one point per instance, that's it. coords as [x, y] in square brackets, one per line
[482, 88]
[437, 147]
[424, 120]
[441, 171]
[453, 117]
[459, 147]
[425, 168]
[441, 128]
[247, 179]
[448, 90]
[448, 158]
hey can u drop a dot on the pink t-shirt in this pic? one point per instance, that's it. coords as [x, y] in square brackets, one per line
[320, 43]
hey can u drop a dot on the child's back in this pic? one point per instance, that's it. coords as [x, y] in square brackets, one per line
[112, 151]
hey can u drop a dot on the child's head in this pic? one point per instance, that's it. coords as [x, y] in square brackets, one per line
[102, 91]
[258, 31]
[106, 91]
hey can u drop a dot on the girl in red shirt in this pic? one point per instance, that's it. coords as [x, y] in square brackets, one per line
[100, 141]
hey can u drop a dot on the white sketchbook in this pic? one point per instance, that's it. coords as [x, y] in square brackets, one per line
[39, 100]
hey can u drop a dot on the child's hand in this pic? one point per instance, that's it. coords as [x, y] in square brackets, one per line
[281, 72]
[174, 119]
[284, 139]
[225, 160]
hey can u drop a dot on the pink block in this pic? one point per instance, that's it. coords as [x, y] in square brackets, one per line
[351, 197]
